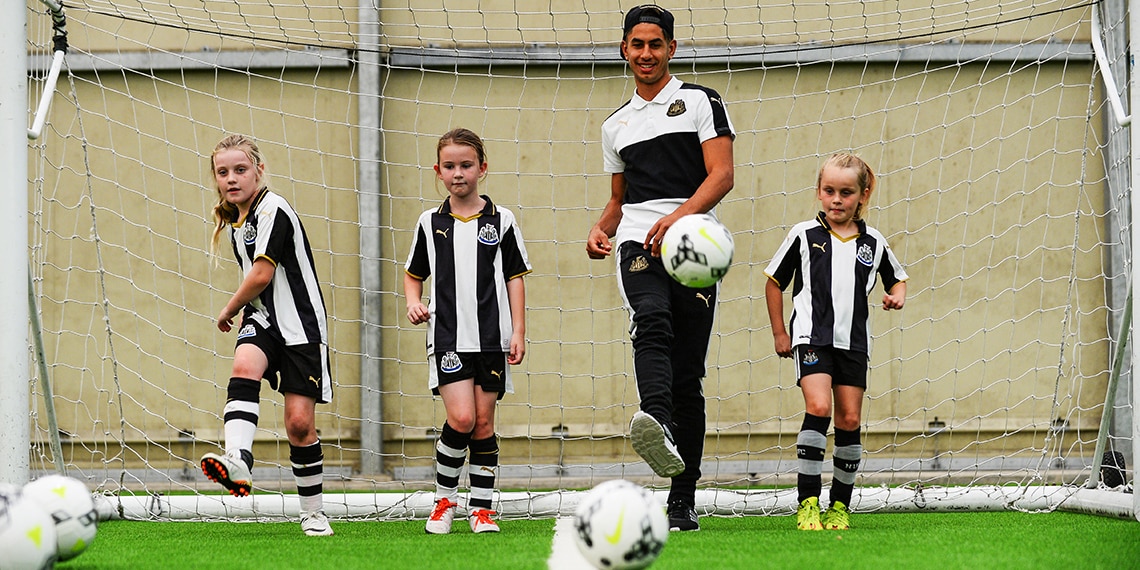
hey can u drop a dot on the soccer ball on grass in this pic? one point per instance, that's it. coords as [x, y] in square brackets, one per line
[620, 525]
[69, 503]
[697, 250]
[27, 532]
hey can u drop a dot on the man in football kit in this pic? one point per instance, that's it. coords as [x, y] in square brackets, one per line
[669, 153]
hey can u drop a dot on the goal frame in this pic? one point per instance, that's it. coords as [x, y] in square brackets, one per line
[14, 341]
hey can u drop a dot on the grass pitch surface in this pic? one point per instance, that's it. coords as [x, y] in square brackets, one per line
[875, 542]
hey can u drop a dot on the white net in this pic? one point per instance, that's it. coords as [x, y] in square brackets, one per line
[984, 121]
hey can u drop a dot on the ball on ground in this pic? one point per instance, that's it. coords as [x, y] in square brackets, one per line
[27, 532]
[71, 506]
[620, 525]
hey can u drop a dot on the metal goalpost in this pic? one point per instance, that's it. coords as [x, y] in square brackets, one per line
[14, 357]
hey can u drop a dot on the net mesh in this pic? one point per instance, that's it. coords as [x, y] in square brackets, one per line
[983, 121]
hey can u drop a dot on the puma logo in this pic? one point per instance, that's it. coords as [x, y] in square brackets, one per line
[822, 246]
[443, 232]
[704, 298]
[623, 123]
[314, 381]
[497, 374]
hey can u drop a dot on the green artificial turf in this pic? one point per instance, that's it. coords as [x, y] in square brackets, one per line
[974, 540]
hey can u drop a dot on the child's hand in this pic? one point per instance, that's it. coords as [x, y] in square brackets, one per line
[783, 344]
[893, 301]
[418, 313]
[518, 349]
[226, 320]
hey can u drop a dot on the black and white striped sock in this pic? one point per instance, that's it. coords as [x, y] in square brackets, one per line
[309, 472]
[240, 416]
[846, 458]
[810, 446]
[484, 468]
[450, 454]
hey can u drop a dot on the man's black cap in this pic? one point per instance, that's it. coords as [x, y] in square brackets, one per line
[649, 14]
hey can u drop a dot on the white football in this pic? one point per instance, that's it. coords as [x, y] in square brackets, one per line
[697, 250]
[27, 533]
[620, 525]
[70, 504]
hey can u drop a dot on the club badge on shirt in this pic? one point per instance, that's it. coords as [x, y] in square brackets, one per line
[489, 235]
[250, 234]
[677, 108]
[865, 255]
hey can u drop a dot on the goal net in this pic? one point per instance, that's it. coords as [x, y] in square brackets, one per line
[1003, 189]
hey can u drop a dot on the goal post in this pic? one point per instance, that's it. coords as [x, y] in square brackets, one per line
[1003, 188]
[14, 361]
[1134, 20]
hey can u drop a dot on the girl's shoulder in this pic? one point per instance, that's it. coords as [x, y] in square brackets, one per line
[804, 226]
[874, 233]
[427, 214]
[272, 200]
[506, 213]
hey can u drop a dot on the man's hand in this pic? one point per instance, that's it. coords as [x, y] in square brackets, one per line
[598, 244]
[656, 235]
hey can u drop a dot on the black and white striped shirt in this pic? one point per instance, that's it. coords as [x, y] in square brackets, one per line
[831, 278]
[470, 261]
[292, 306]
[656, 145]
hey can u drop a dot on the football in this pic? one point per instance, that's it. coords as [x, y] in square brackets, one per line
[27, 534]
[620, 525]
[697, 250]
[69, 503]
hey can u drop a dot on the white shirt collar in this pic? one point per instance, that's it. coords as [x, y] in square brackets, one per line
[664, 97]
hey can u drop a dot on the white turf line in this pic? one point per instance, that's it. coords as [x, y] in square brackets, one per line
[564, 553]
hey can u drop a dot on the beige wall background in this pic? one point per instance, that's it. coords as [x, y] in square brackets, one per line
[990, 192]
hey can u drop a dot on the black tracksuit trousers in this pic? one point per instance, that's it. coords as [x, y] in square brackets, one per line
[670, 327]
